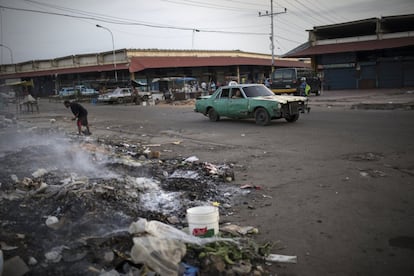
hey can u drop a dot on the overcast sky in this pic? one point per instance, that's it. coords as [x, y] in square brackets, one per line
[46, 29]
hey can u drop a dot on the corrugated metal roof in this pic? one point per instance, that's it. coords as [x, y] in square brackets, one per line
[353, 47]
[74, 70]
[142, 63]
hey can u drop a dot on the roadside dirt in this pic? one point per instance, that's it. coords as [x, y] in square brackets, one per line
[67, 202]
[333, 189]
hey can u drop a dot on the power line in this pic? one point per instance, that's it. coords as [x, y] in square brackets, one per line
[316, 12]
[247, 3]
[304, 15]
[206, 5]
[332, 13]
[151, 25]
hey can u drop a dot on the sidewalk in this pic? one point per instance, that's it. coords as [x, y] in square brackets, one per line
[384, 99]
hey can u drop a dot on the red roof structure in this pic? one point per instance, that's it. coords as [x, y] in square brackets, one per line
[353, 47]
[83, 69]
[141, 63]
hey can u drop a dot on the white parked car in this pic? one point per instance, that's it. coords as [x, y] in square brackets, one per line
[119, 95]
[67, 91]
[84, 91]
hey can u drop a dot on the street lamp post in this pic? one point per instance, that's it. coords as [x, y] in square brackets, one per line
[10, 50]
[113, 48]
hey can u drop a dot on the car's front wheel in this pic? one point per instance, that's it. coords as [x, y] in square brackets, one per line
[292, 118]
[262, 116]
[213, 115]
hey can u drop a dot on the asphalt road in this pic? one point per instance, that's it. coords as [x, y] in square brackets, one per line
[336, 187]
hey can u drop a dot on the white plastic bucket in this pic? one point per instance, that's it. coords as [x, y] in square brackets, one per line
[203, 221]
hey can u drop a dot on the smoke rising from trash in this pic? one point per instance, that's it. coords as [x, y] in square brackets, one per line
[56, 152]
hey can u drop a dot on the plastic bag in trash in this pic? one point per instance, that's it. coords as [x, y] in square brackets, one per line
[161, 255]
[165, 231]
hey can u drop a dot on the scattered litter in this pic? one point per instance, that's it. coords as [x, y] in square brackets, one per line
[281, 258]
[372, 173]
[52, 220]
[239, 230]
[162, 230]
[4, 246]
[192, 159]
[248, 186]
[184, 174]
[96, 208]
[152, 145]
[189, 270]
[162, 255]
[55, 254]
[14, 178]
[32, 261]
[39, 173]
[224, 171]
[15, 266]
[42, 188]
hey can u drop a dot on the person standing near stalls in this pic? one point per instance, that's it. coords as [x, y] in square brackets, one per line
[304, 87]
[81, 114]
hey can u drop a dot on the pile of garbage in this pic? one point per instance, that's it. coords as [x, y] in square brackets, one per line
[71, 206]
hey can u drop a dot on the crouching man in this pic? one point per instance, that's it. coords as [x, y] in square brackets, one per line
[81, 114]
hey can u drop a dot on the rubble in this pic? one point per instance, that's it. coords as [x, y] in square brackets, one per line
[71, 201]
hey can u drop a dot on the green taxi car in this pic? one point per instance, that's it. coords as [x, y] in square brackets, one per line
[256, 101]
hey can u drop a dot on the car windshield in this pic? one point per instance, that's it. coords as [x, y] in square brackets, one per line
[256, 91]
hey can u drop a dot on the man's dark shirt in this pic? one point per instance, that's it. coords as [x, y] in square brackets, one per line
[78, 110]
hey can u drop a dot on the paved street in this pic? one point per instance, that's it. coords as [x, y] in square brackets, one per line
[335, 187]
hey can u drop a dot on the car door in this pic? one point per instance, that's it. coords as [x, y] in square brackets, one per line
[237, 105]
[125, 93]
[220, 102]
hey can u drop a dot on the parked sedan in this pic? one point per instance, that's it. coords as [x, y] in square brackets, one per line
[251, 101]
[119, 95]
[85, 91]
[67, 91]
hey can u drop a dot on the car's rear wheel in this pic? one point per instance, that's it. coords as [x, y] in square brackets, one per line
[213, 115]
[120, 100]
[292, 118]
[262, 116]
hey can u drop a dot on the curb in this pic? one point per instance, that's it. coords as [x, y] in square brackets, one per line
[384, 106]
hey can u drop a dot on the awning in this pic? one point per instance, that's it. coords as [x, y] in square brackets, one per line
[353, 47]
[135, 83]
[61, 71]
[142, 63]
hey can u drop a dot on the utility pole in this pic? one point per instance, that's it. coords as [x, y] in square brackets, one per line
[271, 14]
[192, 44]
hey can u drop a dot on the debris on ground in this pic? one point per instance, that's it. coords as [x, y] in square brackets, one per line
[68, 204]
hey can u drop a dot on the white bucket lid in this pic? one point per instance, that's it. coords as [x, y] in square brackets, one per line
[202, 210]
